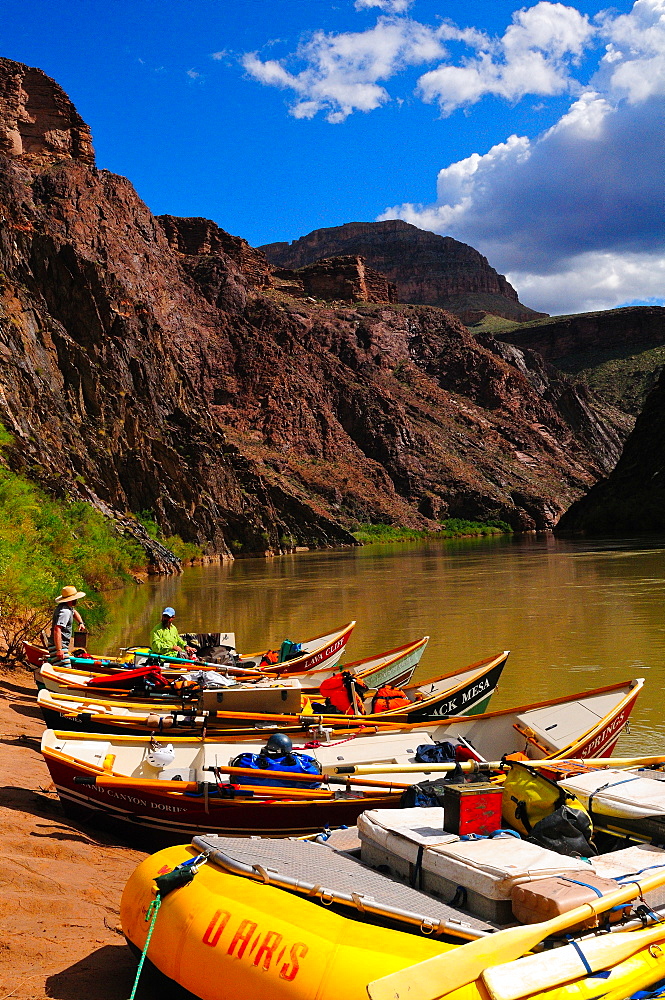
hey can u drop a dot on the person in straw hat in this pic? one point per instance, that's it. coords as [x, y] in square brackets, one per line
[64, 616]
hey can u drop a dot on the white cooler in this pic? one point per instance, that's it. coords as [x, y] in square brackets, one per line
[488, 870]
[391, 838]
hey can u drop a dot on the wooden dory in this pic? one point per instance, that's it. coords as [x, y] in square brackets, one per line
[124, 787]
[395, 666]
[465, 692]
[321, 651]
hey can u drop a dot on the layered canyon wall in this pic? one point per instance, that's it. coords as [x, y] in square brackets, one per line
[559, 336]
[150, 364]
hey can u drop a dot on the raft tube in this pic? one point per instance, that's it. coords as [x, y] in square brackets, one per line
[225, 937]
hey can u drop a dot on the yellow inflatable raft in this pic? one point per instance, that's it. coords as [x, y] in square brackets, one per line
[226, 937]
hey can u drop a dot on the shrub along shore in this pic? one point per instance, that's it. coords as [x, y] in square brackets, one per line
[47, 543]
[451, 528]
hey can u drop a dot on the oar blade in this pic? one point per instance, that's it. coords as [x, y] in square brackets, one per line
[437, 977]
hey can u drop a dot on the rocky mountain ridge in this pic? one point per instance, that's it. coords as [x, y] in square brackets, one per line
[618, 353]
[558, 336]
[427, 269]
[148, 364]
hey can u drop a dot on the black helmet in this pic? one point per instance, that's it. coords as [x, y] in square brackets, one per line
[278, 745]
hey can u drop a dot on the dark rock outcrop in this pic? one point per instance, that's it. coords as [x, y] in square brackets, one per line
[632, 498]
[559, 336]
[336, 279]
[146, 364]
[619, 353]
[427, 269]
[201, 238]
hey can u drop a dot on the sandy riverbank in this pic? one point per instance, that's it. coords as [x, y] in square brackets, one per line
[60, 882]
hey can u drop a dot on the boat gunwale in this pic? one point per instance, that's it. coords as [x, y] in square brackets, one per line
[231, 736]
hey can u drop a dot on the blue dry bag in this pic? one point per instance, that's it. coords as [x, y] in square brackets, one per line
[291, 763]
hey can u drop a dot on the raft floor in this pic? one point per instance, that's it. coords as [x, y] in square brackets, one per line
[311, 864]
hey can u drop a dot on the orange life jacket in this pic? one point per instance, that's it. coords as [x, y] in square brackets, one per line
[388, 697]
[338, 690]
[269, 658]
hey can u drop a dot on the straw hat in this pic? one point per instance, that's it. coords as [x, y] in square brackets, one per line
[69, 594]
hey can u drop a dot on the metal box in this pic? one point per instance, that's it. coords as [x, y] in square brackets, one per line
[473, 808]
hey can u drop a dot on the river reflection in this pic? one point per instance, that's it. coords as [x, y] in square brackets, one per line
[576, 614]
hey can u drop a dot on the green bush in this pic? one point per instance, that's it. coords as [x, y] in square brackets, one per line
[450, 528]
[46, 544]
[182, 550]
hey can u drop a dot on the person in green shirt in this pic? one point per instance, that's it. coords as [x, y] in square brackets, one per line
[166, 640]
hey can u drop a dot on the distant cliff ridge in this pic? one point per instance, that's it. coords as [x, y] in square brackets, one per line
[155, 364]
[618, 353]
[427, 269]
[558, 336]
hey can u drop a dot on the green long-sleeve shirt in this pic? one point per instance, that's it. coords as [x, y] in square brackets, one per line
[166, 641]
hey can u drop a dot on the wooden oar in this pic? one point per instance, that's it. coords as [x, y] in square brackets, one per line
[149, 784]
[439, 976]
[473, 766]
[514, 980]
[246, 772]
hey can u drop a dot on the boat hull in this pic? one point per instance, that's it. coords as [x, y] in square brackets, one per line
[170, 819]
[465, 693]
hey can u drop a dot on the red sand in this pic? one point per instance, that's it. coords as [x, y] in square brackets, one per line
[60, 882]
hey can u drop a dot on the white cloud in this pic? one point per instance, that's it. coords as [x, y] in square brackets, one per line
[342, 72]
[534, 56]
[594, 281]
[634, 63]
[389, 6]
[347, 71]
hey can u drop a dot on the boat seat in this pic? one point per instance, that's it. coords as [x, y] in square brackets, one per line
[412, 844]
[556, 726]
[88, 751]
[389, 749]
[489, 870]
[623, 794]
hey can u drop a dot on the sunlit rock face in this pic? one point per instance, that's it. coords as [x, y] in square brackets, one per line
[426, 269]
[150, 364]
[38, 122]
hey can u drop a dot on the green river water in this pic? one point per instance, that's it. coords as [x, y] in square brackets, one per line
[576, 614]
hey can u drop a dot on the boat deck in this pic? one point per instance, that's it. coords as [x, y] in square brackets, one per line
[310, 865]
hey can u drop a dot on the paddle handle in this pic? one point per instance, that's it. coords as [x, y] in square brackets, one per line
[494, 765]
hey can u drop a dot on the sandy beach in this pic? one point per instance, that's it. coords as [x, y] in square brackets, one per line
[60, 882]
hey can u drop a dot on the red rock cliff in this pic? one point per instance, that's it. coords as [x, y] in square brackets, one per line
[426, 268]
[142, 368]
[37, 120]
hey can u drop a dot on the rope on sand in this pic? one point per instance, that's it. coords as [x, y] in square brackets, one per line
[151, 915]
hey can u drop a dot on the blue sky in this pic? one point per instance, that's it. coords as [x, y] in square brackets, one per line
[534, 133]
